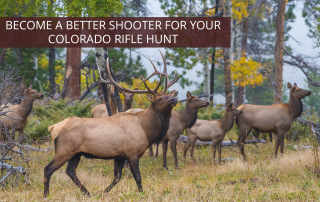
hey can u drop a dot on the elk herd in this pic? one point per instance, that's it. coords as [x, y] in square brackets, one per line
[127, 135]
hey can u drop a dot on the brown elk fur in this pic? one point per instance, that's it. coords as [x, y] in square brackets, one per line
[123, 136]
[180, 121]
[211, 130]
[101, 111]
[275, 118]
[16, 117]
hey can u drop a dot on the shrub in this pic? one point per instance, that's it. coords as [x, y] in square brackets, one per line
[52, 113]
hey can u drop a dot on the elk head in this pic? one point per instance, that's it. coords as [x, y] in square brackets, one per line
[232, 110]
[162, 101]
[297, 92]
[29, 93]
[195, 103]
[127, 97]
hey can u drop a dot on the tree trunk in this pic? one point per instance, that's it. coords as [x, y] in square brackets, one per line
[109, 97]
[52, 57]
[73, 60]
[227, 76]
[213, 57]
[226, 59]
[278, 53]
[240, 99]
[2, 56]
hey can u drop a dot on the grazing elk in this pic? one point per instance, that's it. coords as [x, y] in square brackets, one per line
[211, 130]
[123, 136]
[275, 118]
[16, 117]
[180, 121]
[101, 111]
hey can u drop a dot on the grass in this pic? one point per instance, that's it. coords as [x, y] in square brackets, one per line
[283, 179]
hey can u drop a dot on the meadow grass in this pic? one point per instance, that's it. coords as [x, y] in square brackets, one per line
[284, 178]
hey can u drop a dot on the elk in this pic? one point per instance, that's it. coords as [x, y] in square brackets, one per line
[123, 136]
[180, 121]
[101, 111]
[276, 118]
[211, 130]
[16, 117]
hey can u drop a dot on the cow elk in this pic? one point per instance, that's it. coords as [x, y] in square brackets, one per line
[16, 117]
[180, 121]
[276, 118]
[123, 136]
[101, 111]
[211, 130]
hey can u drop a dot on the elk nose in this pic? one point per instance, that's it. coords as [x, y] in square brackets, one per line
[309, 93]
[240, 112]
[174, 100]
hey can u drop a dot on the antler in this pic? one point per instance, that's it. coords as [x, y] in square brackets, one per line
[167, 86]
[113, 82]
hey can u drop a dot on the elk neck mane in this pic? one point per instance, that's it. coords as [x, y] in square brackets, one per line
[295, 106]
[155, 123]
[26, 106]
[189, 116]
[227, 121]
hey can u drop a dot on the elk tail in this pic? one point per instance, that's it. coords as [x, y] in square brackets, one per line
[50, 128]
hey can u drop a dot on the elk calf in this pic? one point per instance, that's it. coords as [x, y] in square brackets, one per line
[275, 118]
[16, 117]
[211, 130]
[101, 111]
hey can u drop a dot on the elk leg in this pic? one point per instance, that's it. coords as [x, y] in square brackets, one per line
[185, 149]
[150, 151]
[13, 134]
[71, 172]
[241, 140]
[279, 142]
[118, 166]
[20, 136]
[270, 137]
[164, 153]
[157, 149]
[54, 165]
[219, 152]
[134, 165]
[173, 144]
[214, 148]
[192, 144]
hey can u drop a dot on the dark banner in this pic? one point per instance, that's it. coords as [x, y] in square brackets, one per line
[41, 32]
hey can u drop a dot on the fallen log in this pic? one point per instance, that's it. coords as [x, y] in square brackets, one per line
[185, 139]
[11, 170]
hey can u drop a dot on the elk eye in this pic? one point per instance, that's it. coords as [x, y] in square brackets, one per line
[195, 100]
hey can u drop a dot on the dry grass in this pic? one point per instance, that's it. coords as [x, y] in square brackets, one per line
[283, 179]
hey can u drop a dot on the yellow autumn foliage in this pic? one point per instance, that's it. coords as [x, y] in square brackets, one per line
[245, 72]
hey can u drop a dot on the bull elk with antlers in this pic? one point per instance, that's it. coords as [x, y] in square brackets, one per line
[123, 136]
[275, 118]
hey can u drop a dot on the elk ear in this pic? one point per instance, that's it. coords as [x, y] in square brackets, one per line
[30, 87]
[295, 85]
[189, 95]
[150, 98]
[289, 85]
[173, 93]
[229, 106]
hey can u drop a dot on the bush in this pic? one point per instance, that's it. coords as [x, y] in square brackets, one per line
[52, 113]
[211, 113]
